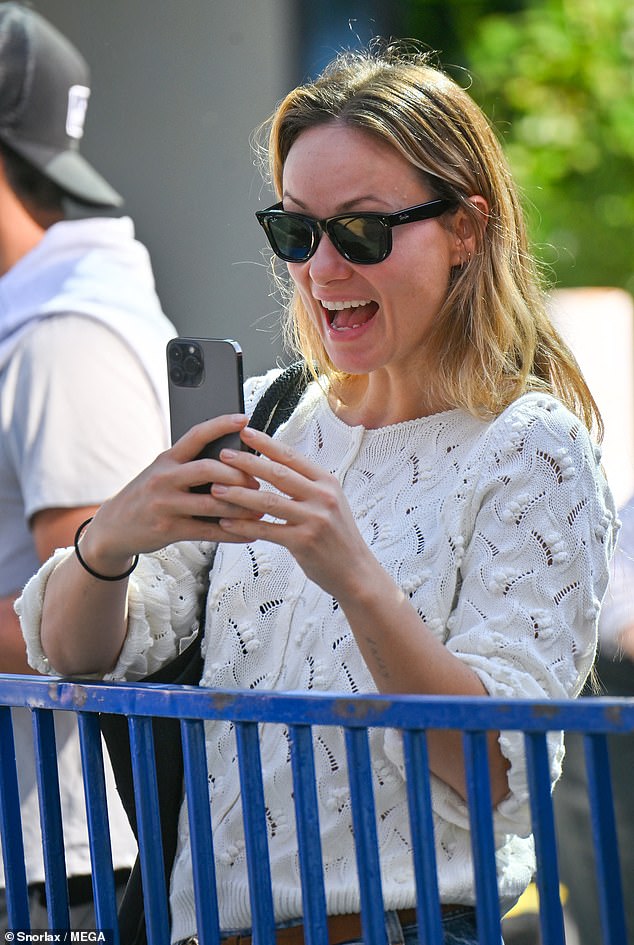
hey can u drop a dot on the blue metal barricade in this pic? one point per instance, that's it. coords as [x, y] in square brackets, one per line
[299, 713]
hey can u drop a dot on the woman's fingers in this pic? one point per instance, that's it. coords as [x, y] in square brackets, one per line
[302, 492]
[258, 504]
[277, 464]
[199, 472]
[284, 461]
[206, 504]
[172, 497]
[191, 471]
[305, 511]
[280, 452]
[192, 443]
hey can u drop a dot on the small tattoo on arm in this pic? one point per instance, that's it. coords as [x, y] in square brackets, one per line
[378, 660]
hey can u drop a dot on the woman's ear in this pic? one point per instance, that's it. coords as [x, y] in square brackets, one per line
[469, 227]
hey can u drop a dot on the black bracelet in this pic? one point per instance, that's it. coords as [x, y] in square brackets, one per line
[86, 567]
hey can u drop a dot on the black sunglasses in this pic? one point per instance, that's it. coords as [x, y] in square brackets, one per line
[363, 238]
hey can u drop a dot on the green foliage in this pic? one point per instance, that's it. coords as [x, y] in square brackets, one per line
[446, 26]
[557, 79]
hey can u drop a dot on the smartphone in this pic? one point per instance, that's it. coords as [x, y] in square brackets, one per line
[205, 380]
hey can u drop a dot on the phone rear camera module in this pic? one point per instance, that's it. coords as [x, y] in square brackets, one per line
[186, 366]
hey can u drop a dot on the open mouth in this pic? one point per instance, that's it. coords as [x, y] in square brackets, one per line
[344, 316]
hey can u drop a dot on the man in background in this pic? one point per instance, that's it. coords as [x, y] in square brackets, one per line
[82, 384]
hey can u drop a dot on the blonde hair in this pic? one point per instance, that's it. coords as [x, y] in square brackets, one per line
[493, 339]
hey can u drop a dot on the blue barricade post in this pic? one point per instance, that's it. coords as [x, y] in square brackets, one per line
[299, 713]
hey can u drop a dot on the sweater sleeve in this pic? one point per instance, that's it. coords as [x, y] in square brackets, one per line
[540, 532]
[165, 599]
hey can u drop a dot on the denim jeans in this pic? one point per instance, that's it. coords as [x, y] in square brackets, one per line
[459, 928]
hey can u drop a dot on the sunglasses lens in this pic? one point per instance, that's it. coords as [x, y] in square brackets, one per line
[290, 237]
[363, 239]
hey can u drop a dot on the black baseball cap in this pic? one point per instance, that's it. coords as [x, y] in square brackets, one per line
[44, 91]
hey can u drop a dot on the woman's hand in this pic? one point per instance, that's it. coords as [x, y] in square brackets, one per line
[311, 516]
[84, 618]
[158, 507]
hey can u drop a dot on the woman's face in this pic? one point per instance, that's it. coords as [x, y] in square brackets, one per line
[369, 317]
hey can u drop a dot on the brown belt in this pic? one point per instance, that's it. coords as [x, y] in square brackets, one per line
[341, 928]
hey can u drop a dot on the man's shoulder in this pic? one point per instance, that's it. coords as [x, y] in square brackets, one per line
[71, 352]
[64, 332]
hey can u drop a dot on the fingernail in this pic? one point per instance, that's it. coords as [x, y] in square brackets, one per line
[228, 454]
[218, 489]
[249, 433]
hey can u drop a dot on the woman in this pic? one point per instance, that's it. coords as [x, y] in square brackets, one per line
[432, 518]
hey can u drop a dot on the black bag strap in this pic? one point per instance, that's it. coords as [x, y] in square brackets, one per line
[274, 408]
[278, 402]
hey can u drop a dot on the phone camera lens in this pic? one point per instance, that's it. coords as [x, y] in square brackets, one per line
[176, 353]
[177, 374]
[192, 364]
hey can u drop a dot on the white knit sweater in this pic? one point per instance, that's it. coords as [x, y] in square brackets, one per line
[499, 533]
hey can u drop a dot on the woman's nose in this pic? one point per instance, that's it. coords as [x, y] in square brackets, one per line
[327, 264]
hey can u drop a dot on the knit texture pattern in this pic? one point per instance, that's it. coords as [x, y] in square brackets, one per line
[498, 532]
